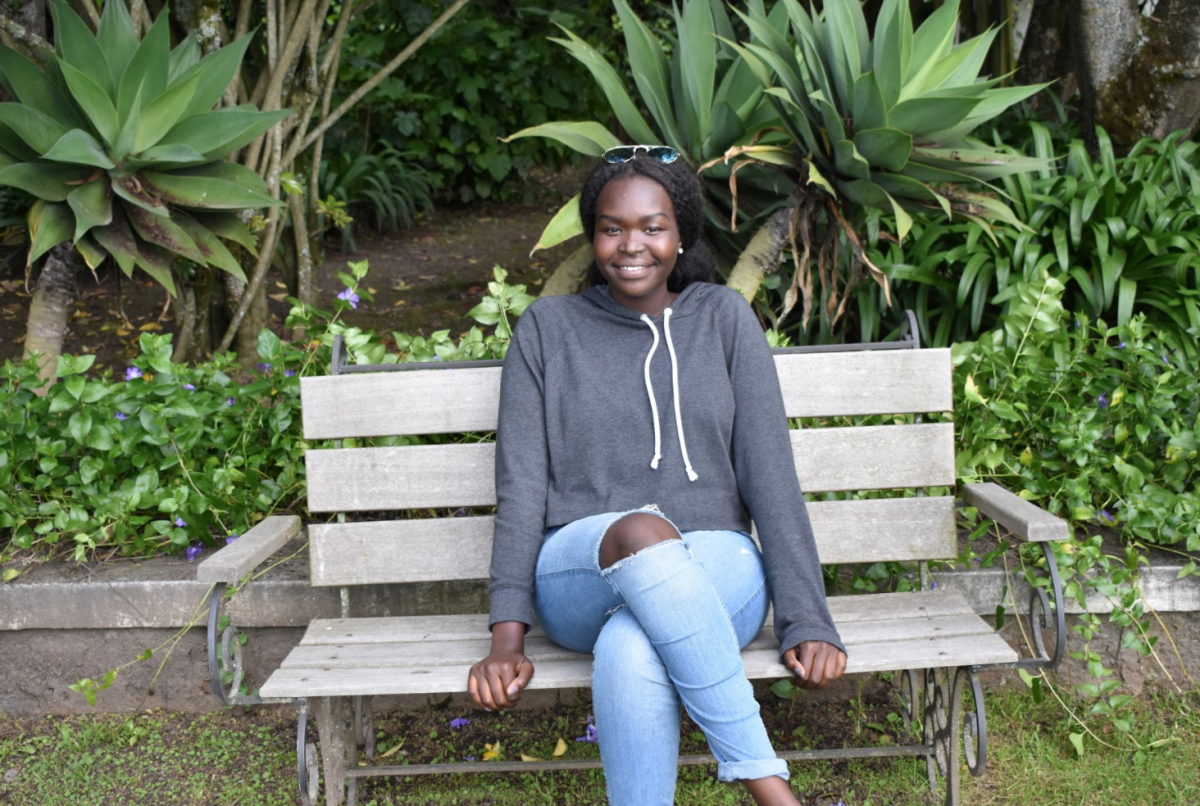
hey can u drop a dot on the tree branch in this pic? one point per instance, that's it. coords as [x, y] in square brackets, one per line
[374, 81]
[22, 34]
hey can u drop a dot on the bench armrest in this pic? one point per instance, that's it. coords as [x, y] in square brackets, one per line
[1025, 520]
[240, 557]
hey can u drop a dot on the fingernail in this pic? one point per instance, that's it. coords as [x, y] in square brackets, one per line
[489, 710]
[512, 690]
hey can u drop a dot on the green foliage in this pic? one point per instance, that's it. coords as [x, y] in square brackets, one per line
[388, 185]
[489, 72]
[172, 457]
[116, 142]
[1093, 423]
[703, 98]
[886, 119]
[1119, 233]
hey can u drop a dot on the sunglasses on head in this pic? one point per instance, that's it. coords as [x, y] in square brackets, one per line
[664, 154]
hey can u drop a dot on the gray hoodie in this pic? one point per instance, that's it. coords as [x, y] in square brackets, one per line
[580, 434]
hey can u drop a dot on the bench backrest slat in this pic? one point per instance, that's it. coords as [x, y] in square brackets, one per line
[420, 550]
[419, 476]
[435, 401]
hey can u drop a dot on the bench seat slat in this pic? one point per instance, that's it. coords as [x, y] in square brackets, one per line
[845, 610]
[541, 649]
[416, 476]
[923, 653]
[419, 550]
[437, 401]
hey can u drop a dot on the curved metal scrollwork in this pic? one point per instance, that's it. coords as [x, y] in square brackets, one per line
[943, 723]
[974, 724]
[364, 725]
[1039, 612]
[308, 769]
[911, 707]
[228, 659]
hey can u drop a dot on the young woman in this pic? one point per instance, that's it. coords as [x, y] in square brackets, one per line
[641, 429]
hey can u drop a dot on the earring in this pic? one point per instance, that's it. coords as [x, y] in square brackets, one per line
[681, 250]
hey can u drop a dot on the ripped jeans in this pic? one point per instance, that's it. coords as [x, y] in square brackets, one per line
[665, 624]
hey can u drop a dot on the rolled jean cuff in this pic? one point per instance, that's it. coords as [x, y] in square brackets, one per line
[751, 770]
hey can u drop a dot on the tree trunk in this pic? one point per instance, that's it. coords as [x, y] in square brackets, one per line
[1137, 67]
[570, 274]
[761, 255]
[246, 342]
[53, 294]
[1047, 52]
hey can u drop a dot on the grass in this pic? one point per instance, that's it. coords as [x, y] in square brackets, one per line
[246, 758]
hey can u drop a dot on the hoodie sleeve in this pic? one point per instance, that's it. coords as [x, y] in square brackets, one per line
[522, 473]
[768, 485]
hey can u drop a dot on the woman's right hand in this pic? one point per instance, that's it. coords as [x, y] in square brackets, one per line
[496, 682]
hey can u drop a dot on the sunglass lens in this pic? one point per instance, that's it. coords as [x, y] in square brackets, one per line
[619, 154]
[663, 154]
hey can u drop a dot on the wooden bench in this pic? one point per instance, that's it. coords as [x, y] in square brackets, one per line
[932, 637]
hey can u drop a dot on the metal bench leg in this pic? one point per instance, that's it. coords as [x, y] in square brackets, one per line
[339, 753]
[943, 728]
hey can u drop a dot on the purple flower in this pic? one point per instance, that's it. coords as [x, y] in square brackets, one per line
[287, 373]
[264, 367]
[977, 560]
[1102, 401]
[120, 415]
[1077, 323]
[133, 373]
[189, 387]
[590, 734]
[180, 522]
[1165, 361]
[194, 551]
[229, 401]
[1103, 516]
[468, 758]
[1121, 346]
[461, 722]
[349, 296]
[231, 538]
[932, 585]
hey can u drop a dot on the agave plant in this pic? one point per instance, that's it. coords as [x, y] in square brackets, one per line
[702, 99]
[119, 143]
[882, 123]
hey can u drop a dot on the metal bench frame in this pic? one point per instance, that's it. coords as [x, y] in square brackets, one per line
[949, 701]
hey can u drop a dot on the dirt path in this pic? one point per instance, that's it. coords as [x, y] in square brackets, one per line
[423, 279]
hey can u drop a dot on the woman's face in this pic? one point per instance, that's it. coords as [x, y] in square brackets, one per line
[637, 242]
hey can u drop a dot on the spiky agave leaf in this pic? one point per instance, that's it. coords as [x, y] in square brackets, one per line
[896, 109]
[119, 142]
[703, 99]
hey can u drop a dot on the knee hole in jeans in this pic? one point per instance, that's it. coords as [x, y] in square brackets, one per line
[632, 533]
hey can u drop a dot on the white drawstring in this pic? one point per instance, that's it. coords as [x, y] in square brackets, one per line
[650, 394]
[687, 463]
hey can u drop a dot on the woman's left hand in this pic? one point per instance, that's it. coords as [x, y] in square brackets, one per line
[816, 663]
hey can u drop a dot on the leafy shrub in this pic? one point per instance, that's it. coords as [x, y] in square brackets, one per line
[488, 73]
[388, 185]
[167, 457]
[1095, 423]
[1119, 234]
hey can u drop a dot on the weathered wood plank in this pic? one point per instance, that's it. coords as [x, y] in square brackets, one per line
[845, 610]
[921, 653]
[428, 401]
[881, 635]
[1024, 519]
[827, 460]
[379, 552]
[443, 402]
[237, 559]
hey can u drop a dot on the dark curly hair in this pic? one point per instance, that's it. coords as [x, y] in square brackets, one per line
[696, 264]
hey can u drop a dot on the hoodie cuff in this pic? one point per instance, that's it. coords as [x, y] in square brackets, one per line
[511, 604]
[799, 633]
